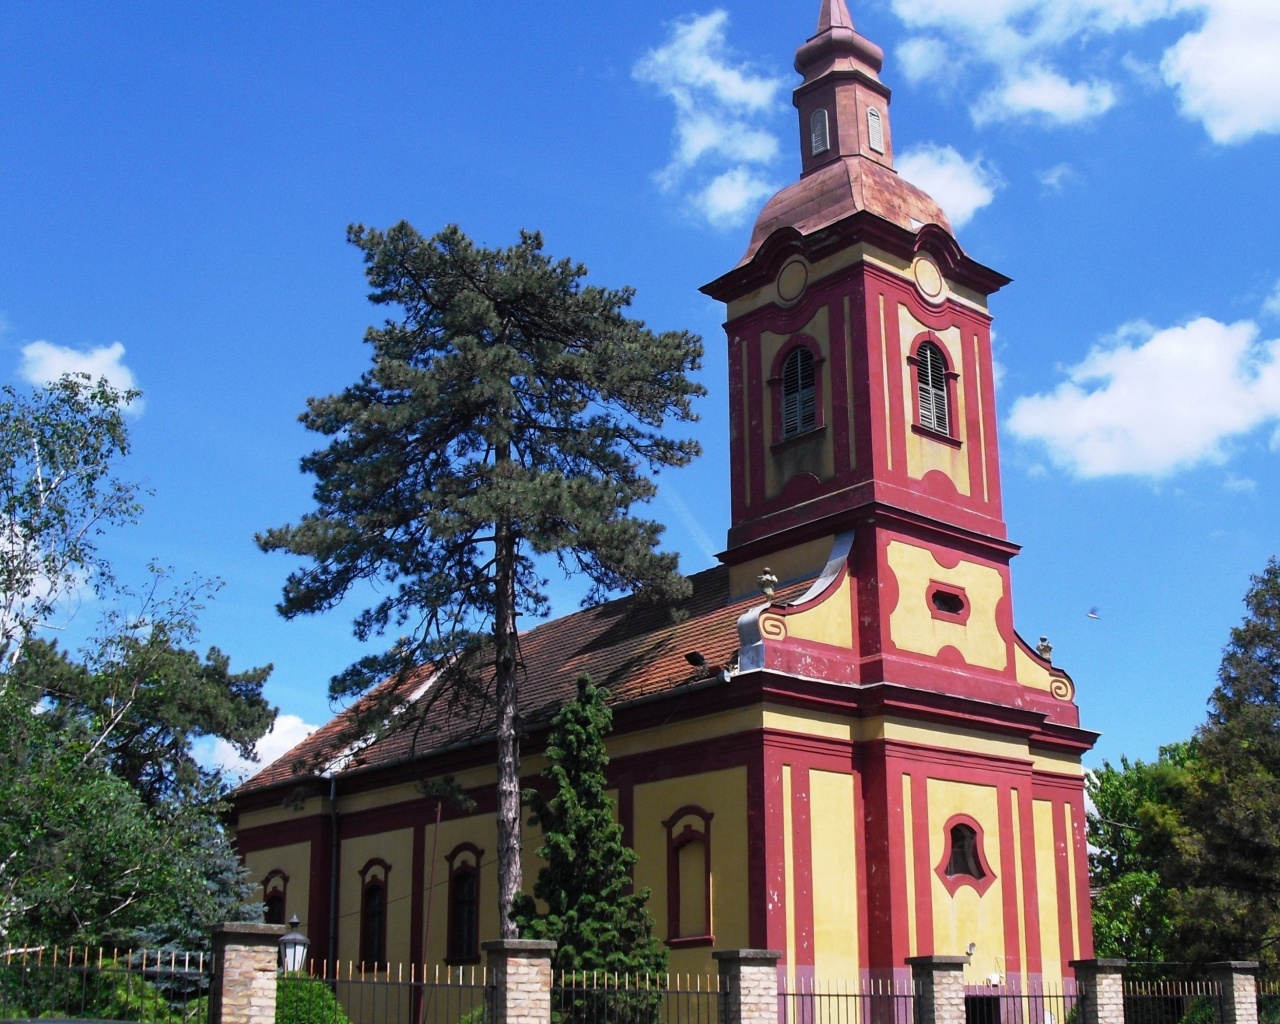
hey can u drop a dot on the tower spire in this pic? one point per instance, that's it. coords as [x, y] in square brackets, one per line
[834, 14]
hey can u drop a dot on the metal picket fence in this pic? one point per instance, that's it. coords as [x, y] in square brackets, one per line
[601, 997]
[874, 1001]
[153, 987]
[400, 995]
[1040, 1004]
[1181, 1001]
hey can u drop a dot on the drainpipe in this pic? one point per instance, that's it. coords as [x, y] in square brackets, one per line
[333, 871]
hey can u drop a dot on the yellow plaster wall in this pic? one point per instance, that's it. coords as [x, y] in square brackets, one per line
[835, 875]
[480, 830]
[1020, 882]
[909, 831]
[829, 622]
[912, 626]
[1047, 891]
[295, 861]
[924, 453]
[1029, 671]
[396, 848]
[967, 917]
[789, 564]
[724, 794]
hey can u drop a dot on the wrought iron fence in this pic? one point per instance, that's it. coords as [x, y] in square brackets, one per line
[148, 986]
[1172, 1002]
[1268, 1001]
[599, 997]
[1040, 1004]
[399, 995]
[875, 1001]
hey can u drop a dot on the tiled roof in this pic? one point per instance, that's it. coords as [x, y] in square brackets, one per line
[630, 646]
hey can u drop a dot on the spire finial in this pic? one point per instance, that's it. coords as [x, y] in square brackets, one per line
[834, 14]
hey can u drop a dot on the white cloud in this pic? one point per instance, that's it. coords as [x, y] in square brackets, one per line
[1223, 69]
[1239, 484]
[1150, 402]
[1055, 178]
[1272, 304]
[925, 58]
[961, 187]
[287, 732]
[730, 197]
[1042, 94]
[1226, 73]
[722, 138]
[43, 362]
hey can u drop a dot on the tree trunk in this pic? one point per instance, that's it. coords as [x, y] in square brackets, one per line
[509, 876]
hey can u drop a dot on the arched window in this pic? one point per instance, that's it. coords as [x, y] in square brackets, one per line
[875, 130]
[964, 853]
[931, 387]
[373, 914]
[963, 860]
[689, 877]
[274, 889]
[799, 393]
[819, 132]
[464, 904]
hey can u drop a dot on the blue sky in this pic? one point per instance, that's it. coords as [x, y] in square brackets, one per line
[176, 180]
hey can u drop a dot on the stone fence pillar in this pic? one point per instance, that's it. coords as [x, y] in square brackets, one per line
[1238, 982]
[939, 985]
[748, 985]
[1101, 990]
[521, 970]
[245, 958]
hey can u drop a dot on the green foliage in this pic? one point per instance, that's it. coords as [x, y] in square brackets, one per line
[598, 923]
[1131, 915]
[305, 1000]
[58, 493]
[109, 829]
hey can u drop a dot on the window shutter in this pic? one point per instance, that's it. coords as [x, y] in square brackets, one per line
[819, 132]
[799, 398]
[875, 130]
[931, 383]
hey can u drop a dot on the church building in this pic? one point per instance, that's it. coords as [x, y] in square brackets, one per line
[844, 750]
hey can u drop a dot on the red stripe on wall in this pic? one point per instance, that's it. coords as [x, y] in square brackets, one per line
[1009, 884]
[802, 869]
[921, 827]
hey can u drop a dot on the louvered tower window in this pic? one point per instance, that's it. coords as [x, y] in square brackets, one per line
[819, 133]
[799, 399]
[931, 381]
[875, 130]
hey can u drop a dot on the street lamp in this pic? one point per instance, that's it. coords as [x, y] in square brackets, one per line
[293, 947]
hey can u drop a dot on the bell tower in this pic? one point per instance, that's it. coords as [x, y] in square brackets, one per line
[864, 457]
[862, 395]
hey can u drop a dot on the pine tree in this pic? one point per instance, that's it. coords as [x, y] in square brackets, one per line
[598, 923]
[1221, 840]
[511, 417]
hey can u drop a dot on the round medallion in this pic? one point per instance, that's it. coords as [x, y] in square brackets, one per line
[792, 279]
[929, 279]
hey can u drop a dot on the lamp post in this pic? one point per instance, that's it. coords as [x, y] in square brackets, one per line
[293, 948]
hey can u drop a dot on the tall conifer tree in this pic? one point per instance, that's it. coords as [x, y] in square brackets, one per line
[597, 922]
[511, 412]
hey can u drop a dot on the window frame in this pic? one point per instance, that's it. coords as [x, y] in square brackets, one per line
[271, 894]
[951, 435]
[461, 867]
[371, 881]
[819, 114]
[954, 882]
[676, 841]
[776, 384]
